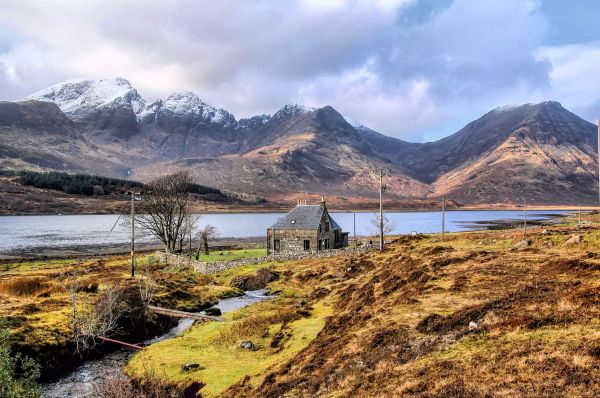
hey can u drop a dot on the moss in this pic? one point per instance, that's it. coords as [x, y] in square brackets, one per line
[226, 255]
[224, 365]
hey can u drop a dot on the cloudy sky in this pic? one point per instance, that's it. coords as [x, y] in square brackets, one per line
[414, 69]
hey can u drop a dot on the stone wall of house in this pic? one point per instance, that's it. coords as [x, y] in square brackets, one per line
[292, 240]
[211, 268]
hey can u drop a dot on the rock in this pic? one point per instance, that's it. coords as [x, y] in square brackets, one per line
[191, 366]
[214, 311]
[574, 239]
[248, 345]
[435, 240]
[300, 303]
[473, 325]
[255, 282]
[545, 231]
[522, 244]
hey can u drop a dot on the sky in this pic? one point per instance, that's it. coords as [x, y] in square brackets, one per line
[414, 69]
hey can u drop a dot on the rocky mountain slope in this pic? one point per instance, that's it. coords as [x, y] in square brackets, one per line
[537, 152]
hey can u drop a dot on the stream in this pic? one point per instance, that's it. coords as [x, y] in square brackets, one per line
[80, 382]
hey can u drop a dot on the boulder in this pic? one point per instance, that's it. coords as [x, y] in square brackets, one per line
[255, 282]
[574, 239]
[214, 311]
[473, 325]
[248, 345]
[525, 243]
[186, 367]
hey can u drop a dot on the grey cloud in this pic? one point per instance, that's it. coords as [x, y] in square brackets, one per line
[403, 70]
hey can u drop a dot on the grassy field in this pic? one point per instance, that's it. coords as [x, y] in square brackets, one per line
[473, 316]
[226, 255]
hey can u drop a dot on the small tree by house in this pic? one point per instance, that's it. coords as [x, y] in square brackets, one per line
[388, 225]
[206, 233]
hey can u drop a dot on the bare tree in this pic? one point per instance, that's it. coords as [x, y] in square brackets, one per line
[90, 319]
[165, 208]
[147, 287]
[206, 233]
[375, 225]
[188, 225]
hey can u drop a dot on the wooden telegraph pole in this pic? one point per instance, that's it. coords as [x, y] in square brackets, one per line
[354, 219]
[599, 162]
[443, 217]
[132, 234]
[525, 218]
[382, 188]
[381, 209]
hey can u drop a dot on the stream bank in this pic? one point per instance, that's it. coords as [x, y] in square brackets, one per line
[80, 382]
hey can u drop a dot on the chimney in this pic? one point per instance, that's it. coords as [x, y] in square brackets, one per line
[322, 201]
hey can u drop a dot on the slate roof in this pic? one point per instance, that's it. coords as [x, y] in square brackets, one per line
[303, 217]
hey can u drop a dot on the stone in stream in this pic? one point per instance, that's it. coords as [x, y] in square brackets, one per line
[213, 311]
[248, 345]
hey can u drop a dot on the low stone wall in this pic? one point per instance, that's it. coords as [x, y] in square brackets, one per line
[211, 268]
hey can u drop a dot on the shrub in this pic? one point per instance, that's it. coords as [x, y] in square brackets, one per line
[23, 287]
[255, 325]
[12, 386]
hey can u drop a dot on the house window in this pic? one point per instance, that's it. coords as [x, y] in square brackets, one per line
[306, 245]
[277, 245]
[320, 244]
[326, 244]
[326, 226]
[319, 228]
[337, 235]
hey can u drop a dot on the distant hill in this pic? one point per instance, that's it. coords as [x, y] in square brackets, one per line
[539, 152]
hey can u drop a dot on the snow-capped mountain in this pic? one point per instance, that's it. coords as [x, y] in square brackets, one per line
[539, 151]
[79, 97]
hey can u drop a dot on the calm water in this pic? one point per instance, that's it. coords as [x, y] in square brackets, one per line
[73, 230]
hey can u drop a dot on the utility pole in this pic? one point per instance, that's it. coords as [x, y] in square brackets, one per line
[580, 214]
[525, 219]
[132, 233]
[598, 161]
[443, 217]
[354, 216]
[382, 188]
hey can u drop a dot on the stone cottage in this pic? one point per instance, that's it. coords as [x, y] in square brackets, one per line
[307, 228]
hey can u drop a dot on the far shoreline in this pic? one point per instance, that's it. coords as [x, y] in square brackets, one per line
[285, 209]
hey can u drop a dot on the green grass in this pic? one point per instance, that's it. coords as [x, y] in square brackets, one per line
[226, 364]
[33, 265]
[226, 255]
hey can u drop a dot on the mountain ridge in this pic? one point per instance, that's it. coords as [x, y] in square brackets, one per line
[545, 152]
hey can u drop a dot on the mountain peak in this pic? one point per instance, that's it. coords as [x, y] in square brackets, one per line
[187, 103]
[292, 109]
[78, 96]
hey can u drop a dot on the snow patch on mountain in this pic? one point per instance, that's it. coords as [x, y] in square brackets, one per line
[79, 97]
[187, 104]
[355, 123]
[292, 110]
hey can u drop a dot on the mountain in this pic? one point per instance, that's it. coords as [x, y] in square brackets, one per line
[537, 152]
[39, 135]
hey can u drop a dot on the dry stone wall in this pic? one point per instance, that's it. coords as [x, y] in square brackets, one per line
[211, 268]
